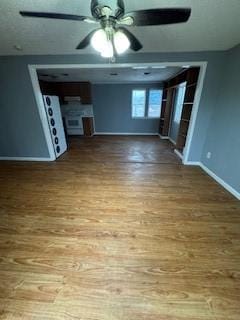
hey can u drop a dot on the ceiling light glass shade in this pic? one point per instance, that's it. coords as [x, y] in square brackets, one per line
[121, 42]
[107, 50]
[99, 40]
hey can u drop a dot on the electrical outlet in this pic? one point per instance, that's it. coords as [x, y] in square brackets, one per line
[209, 154]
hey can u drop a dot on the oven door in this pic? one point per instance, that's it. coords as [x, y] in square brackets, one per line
[74, 125]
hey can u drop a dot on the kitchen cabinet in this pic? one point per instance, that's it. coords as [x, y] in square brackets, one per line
[88, 126]
[63, 89]
[80, 89]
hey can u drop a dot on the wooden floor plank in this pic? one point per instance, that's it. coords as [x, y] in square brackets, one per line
[117, 229]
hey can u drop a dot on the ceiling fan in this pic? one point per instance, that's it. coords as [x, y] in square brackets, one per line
[113, 36]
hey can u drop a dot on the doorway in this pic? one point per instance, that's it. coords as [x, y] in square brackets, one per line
[33, 69]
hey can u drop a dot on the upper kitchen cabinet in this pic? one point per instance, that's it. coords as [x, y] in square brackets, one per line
[63, 89]
[48, 88]
[80, 89]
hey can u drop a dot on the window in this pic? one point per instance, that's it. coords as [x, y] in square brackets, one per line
[138, 103]
[146, 104]
[154, 103]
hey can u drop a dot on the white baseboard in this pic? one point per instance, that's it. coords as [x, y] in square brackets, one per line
[224, 184]
[192, 163]
[178, 154]
[124, 134]
[25, 159]
[167, 138]
[173, 142]
[221, 181]
[163, 137]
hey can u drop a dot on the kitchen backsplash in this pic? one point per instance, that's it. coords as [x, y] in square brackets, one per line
[77, 109]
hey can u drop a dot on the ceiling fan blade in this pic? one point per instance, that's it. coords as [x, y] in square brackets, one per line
[121, 9]
[152, 17]
[86, 41]
[95, 9]
[135, 43]
[53, 15]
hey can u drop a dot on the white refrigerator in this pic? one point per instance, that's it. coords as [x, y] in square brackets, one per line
[55, 123]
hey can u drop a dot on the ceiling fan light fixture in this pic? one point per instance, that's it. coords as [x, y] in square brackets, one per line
[99, 40]
[121, 42]
[107, 50]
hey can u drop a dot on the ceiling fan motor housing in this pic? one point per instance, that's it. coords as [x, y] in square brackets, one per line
[99, 7]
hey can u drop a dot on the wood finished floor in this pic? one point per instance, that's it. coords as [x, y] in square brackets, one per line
[117, 229]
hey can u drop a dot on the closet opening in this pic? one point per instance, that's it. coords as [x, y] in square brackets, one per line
[179, 94]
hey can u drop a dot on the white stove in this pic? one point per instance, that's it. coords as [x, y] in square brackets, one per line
[73, 112]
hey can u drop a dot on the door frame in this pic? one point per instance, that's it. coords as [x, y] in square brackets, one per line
[43, 117]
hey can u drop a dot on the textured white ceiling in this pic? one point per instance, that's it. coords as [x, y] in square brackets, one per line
[214, 25]
[110, 75]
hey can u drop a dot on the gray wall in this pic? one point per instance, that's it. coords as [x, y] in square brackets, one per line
[21, 133]
[223, 134]
[112, 109]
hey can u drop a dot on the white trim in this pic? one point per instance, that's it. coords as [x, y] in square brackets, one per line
[197, 98]
[116, 65]
[24, 159]
[163, 137]
[167, 138]
[192, 163]
[41, 111]
[178, 154]
[170, 139]
[219, 180]
[124, 134]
